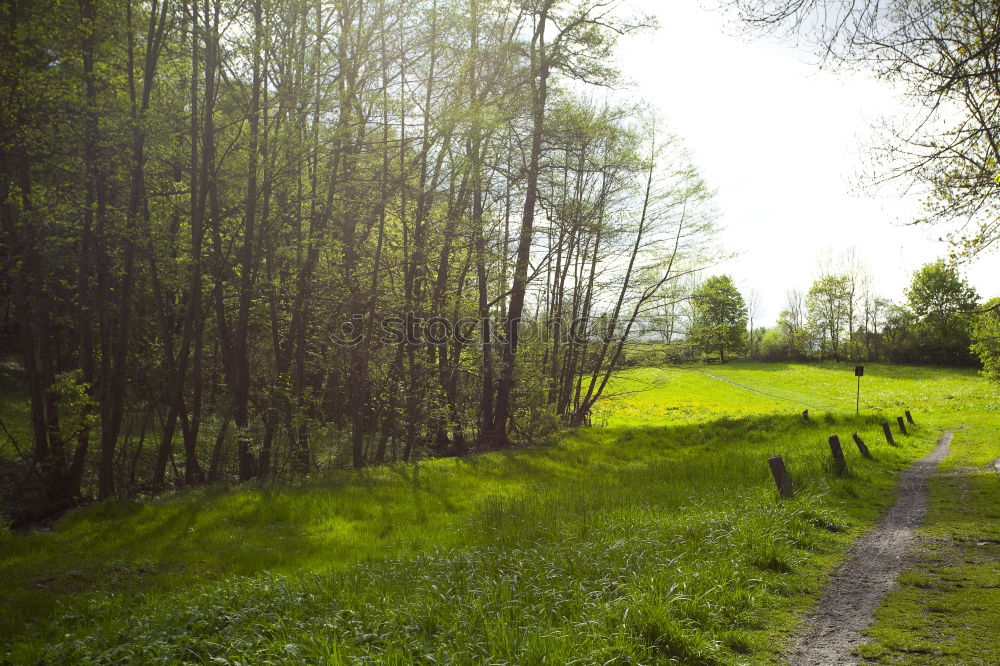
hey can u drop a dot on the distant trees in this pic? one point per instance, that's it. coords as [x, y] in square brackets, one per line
[829, 306]
[719, 317]
[945, 55]
[842, 317]
[755, 334]
[986, 339]
[943, 304]
[875, 310]
[789, 339]
[898, 336]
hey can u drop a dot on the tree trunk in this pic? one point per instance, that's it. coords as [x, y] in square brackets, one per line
[497, 436]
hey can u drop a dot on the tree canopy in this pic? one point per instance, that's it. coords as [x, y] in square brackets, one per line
[719, 319]
[828, 303]
[944, 305]
[986, 339]
[262, 238]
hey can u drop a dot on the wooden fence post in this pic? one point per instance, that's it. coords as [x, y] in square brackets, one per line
[862, 447]
[888, 434]
[781, 477]
[909, 418]
[839, 463]
[902, 426]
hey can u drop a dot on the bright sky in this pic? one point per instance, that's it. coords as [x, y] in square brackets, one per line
[781, 141]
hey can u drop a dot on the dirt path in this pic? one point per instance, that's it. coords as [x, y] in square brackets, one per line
[834, 629]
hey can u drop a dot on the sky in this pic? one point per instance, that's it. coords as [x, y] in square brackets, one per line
[784, 143]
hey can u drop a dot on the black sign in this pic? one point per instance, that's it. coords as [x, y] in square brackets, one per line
[859, 371]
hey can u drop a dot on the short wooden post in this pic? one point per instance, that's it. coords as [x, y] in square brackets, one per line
[909, 418]
[805, 415]
[862, 447]
[888, 434]
[902, 426]
[781, 477]
[839, 463]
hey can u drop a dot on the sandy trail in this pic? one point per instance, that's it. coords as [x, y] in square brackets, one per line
[874, 561]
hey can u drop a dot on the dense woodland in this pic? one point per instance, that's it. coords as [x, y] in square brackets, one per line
[261, 238]
[252, 239]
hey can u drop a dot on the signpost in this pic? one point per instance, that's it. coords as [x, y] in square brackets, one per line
[859, 371]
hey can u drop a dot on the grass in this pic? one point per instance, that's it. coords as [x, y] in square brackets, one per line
[933, 393]
[657, 537]
[946, 609]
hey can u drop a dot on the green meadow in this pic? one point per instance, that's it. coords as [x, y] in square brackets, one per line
[946, 609]
[654, 536]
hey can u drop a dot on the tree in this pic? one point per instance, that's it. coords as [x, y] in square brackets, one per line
[585, 33]
[720, 316]
[829, 307]
[943, 303]
[674, 205]
[754, 335]
[790, 339]
[945, 54]
[986, 339]
[295, 167]
[899, 335]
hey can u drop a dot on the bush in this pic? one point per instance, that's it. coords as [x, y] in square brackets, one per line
[774, 346]
[986, 339]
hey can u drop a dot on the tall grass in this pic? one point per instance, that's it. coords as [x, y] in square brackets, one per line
[658, 537]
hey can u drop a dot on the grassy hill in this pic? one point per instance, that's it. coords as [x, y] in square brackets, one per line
[656, 535]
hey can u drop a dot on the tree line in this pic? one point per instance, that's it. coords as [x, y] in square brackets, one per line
[261, 238]
[841, 317]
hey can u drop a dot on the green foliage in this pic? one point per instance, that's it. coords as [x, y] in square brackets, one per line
[938, 292]
[787, 341]
[535, 420]
[76, 405]
[986, 339]
[829, 305]
[943, 303]
[773, 346]
[899, 335]
[719, 316]
[190, 224]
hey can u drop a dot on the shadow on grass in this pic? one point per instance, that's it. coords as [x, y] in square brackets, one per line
[397, 510]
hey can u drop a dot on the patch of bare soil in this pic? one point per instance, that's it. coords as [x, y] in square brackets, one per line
[847, 607]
